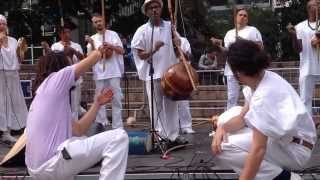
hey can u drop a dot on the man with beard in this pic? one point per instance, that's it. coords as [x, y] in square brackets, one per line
[109, 70]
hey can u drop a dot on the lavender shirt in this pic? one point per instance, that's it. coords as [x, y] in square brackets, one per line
[49, 120]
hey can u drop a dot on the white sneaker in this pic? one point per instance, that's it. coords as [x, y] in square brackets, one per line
[8, 138]
[187, 131]
[295, 176]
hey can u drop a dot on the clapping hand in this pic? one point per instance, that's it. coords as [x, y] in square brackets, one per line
[291, 29]
[315, 41]
[108, 46]
[3, 40]
[45, 46]
[158, 45]
[88, 39]
[216, 42]
[105, 96]
[107, 50]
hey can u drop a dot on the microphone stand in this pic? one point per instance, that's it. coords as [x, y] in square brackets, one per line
[154, 134]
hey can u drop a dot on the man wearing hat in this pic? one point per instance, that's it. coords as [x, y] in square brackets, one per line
[13, 109]
[161, 52]
[75, 54]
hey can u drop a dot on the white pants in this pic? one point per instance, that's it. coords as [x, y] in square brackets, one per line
[277, 157]
[75, 101]
[166, 119]
[233, 91]
[184, 114]
[114, 84]
[13, 108]
[307, 86]
[111, 147]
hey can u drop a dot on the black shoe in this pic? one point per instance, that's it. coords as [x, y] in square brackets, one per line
[177, 142]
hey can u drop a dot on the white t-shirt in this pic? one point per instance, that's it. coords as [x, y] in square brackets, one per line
[185, 45]
[249, 33]
[309, 62]
[162, 59]
[114, 67]
[207, 63]
[276, 110]
[58, 46]
[9, 59]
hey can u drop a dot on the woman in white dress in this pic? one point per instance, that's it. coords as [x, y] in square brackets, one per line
[13, 109]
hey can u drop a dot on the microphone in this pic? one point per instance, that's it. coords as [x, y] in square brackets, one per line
[153, 17]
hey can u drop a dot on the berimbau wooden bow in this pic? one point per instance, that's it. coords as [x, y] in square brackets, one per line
[104, 33]
[179, 53]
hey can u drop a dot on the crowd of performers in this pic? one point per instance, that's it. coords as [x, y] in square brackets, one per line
[268, 137]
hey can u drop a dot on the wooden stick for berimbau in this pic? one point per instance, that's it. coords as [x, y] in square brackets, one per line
[180, 53]
[103, 35]
[317, 29]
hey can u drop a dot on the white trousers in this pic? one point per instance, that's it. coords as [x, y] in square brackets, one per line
[13, 108]
[166, 119]
[114, 84]
[233, 91]
[111, 147]
[75, 101]
[307, 86]
[278, 157]
[184, 114]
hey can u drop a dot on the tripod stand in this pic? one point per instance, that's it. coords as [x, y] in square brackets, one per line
[155, 137]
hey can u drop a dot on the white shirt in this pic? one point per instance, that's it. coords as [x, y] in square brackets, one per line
[249, 33]
[309, 61]
[8, 57]
[207, 63]
[114, 66]
[163, 58]
[185, 45]
[58, 46]
[277, 111]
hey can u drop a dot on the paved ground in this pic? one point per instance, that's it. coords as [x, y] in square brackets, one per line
[188, 163]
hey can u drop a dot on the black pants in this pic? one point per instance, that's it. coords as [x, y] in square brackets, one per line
[284, 175]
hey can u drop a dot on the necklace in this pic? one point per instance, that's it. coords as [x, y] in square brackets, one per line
[312, 28]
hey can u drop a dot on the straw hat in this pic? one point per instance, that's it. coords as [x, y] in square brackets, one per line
[146, 2]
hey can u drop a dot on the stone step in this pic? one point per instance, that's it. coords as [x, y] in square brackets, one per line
[206, 96]
[275, 64]
[143, 113]
[132, 82]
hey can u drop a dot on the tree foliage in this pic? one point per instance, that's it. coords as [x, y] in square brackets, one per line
[200, 23]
